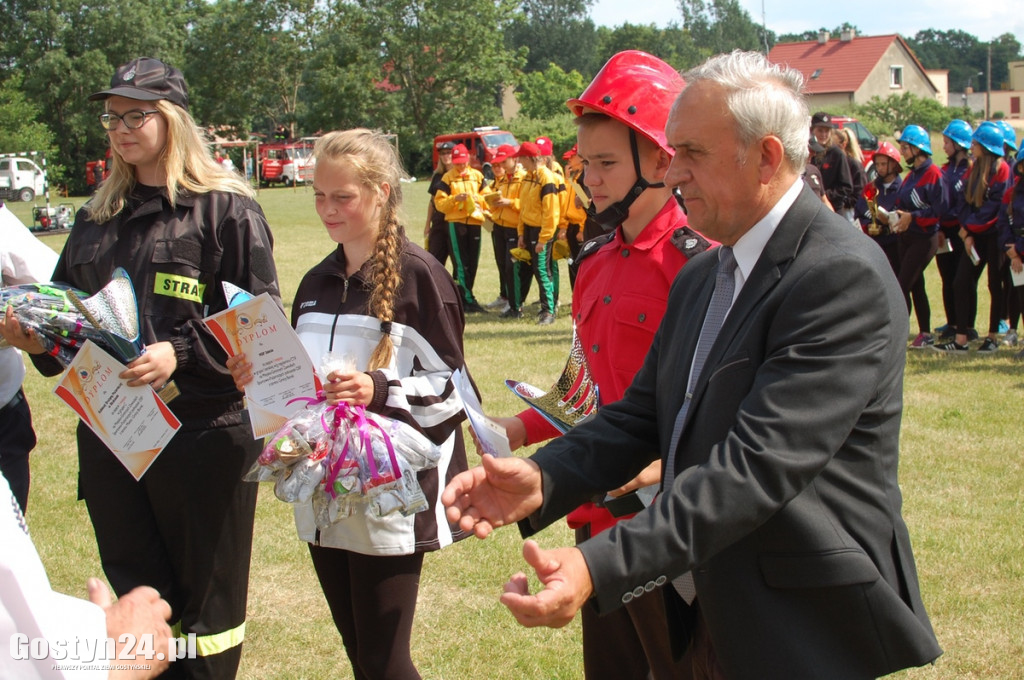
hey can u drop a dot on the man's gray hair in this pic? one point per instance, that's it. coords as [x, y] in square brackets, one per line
[764, 98]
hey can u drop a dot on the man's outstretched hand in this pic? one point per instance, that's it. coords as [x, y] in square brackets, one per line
[500, 491]
[567, 584]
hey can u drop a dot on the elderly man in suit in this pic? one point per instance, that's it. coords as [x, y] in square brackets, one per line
[779, 433]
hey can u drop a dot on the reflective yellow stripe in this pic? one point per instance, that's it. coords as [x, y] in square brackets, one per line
[183, 287]
[208, 645]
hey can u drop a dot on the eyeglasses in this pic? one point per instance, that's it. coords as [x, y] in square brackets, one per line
[132, 120]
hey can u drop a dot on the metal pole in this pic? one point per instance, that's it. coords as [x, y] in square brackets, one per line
[46, 185]
[988, 86]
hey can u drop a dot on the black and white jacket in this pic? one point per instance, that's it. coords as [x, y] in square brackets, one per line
[330, 314]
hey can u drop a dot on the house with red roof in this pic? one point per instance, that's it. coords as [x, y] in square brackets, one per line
[851, 69]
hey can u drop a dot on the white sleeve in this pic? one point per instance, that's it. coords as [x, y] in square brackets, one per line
[64, 632]
[24, 258]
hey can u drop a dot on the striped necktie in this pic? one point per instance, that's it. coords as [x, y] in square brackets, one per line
[721, 301]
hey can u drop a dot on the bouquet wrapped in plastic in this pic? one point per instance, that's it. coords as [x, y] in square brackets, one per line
[64, 317]
[346, 460]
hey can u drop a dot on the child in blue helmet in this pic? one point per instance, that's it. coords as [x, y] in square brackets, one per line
[985, 184]
[1010, 225]
[1013, 308]
[920, 201]
[956, 142]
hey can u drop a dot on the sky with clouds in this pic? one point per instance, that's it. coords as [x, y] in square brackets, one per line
[984, 19]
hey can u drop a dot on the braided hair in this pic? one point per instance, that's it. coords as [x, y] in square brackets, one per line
[374, 160]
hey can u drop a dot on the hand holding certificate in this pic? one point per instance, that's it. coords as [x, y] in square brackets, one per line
[282, 371]
[133, 422]
[489, 434]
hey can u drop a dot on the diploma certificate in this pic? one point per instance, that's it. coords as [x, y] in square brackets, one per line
[133, 422]
[281, 369]
[490, 434]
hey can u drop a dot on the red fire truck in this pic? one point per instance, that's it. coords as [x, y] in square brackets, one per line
[286, 162]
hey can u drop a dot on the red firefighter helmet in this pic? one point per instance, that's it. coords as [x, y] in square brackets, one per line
[889, 151]
[635, 88]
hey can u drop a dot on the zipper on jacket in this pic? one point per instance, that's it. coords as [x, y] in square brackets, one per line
[337, 313]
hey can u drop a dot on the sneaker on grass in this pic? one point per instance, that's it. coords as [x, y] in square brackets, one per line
[923, 340]
[989, 346]
[951, 347]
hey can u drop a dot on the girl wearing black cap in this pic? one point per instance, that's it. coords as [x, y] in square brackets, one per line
[180, 224]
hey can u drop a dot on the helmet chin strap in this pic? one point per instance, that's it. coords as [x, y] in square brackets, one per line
[616, 214]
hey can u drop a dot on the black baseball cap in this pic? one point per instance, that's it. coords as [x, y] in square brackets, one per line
[445, 146]
[822, 119]
[147, 79]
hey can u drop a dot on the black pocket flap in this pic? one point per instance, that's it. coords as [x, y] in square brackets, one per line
[818, 570]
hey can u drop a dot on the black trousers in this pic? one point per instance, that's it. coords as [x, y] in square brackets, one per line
[515, 275]
[947, 264]
[631, 642]
[17, 439]
[915, 253]
[185, 529]
[545, 270]
[465, 245]
[438, 242]
[966, 283]
[372, 600]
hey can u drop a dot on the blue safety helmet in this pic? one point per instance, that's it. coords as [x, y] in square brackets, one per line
[960, 132]
[990, 137]
[1020, 156]
[1009, 134]
[917, 137]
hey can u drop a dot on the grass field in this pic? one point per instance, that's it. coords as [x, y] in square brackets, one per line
[961, 475]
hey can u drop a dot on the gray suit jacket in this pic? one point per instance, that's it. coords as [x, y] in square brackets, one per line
[785, 503]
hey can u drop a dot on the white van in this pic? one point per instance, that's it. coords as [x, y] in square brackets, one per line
[21, 179]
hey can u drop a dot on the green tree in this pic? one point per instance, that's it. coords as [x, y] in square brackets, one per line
[966, 57]
[542, 94]
[559, 128]
[721, 26]
[672, 44]
[958, 51]
[346, 83]
[555, 32]
[895, 112]
[20, 129]
[443, 61]
[246, 60]
[66, 50]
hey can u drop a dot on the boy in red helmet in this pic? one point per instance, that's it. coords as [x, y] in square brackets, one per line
[574, 216]
[513, 276]
[458, 197]
[620, 297]
[882, 193]
[538, 221]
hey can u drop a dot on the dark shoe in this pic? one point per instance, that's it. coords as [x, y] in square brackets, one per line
[545, 319]
[922, 341]
[512, 314]
[947, 334]
[972, 335]
[989, 346]
[951, 347]
[945, 328]
[474, 308]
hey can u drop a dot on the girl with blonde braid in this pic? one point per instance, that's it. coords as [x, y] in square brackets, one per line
[391, 309]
